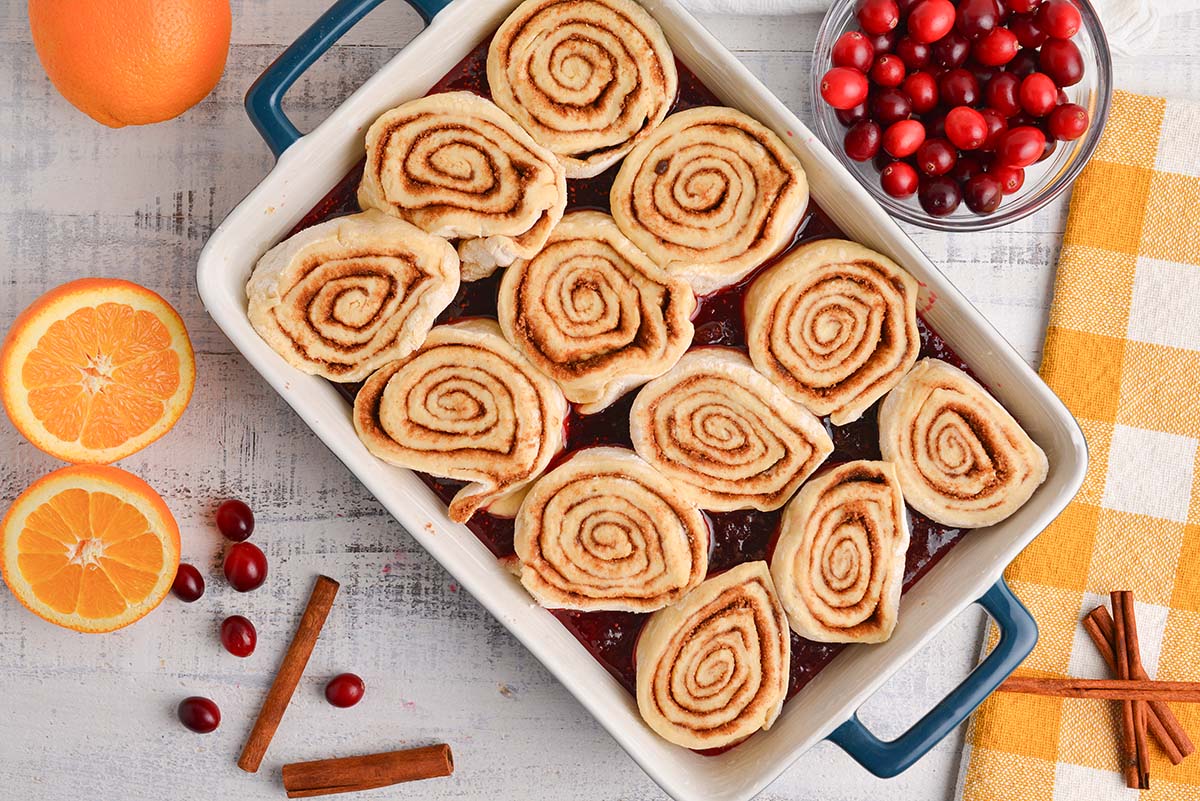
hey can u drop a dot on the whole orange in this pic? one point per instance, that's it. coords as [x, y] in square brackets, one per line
[132, 62]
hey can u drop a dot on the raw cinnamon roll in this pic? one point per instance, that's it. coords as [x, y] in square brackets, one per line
[834, 325]
[961, 458]
[839, 563]
[710, 194]
[603, 530]
[713, 669]
[725, 434]
[343, 297]
[465, 406]
[457, 166]
[587, 78]
[594, 313]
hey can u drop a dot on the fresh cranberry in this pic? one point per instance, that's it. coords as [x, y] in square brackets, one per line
[966, 128]
[899, 179]
[1027, 31]
[862, 140]
[1020, 147]
[983, 194]
[1061, 60]
[849, 116]
[958, 88]
[245, 567]
[1022, 6]
[977, 17]
[1024, 62]
[843, 87]
[1001, 93]
[888, 70]
[914, 54]
[966, 168]
[1067, 122]
[1060, 18]
[238, 636]
[939, 196]
[189, 584]
[936, 157]
[930, 20]
[982, 72]
[1063, 97]
[235, 521]
[1011, 178]
[345, 690]
[883, 42]
[951, 50]
[997, 126]
[200, 715]
[890, 106]
[921, 89]
[878, 16]
[1038, 94]
[853, 50]
[996, 48]
[935, 125]
[902, 138]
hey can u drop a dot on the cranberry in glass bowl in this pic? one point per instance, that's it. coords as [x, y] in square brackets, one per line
[978, 65]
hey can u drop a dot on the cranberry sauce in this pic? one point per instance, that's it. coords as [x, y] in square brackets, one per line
[737, 536]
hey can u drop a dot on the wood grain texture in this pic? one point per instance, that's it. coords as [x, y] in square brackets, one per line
[92, 717]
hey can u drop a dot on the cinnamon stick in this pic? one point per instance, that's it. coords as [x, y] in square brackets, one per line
[294, 662]
[1161, 721]
[1134, 659]
[351, 774]
[1107, 689]
[1128, 738]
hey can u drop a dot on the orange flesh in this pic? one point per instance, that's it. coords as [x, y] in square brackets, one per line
[89, 553]
[102, 375]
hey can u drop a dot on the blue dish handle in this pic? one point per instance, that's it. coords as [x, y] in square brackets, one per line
[1018, 635]
[264, 100]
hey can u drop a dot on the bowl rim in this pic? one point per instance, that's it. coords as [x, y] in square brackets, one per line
[832, 26]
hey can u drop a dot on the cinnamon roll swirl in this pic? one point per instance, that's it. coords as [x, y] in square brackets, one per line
[725, 434]
[961, 458]
[839, 562]
[709, 195]
[594, 313]
[346, 296]
[713, 669]
[457, 166]
[834, 325]
[587, 78]
[603, 530]
[466, 406]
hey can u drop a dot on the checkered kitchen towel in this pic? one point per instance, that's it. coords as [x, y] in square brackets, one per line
[1123, 352]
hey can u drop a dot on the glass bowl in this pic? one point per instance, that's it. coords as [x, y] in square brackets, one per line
[1044, 181]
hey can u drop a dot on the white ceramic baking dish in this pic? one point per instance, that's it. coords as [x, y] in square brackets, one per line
[309, 166]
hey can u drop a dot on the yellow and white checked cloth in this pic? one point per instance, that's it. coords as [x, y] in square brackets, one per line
[1123, 352]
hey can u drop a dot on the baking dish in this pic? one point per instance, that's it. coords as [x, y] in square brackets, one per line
[309, 166]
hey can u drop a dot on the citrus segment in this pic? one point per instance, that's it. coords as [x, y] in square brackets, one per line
[90, 548]
[96, 370]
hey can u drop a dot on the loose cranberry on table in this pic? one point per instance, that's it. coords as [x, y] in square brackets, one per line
[1068, 122]
[345, 690]
[235, 520]
[189, 584]
[878, 16]
[245, 567]
[238, 636]
[930, 20]
[844, 87]
[899, 179]
[902, 138]
[199, 714]
[853, 50]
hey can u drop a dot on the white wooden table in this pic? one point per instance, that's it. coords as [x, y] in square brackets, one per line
[92, 717]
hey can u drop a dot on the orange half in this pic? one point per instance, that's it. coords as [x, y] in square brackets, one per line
[90, 548]
[96, 370]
